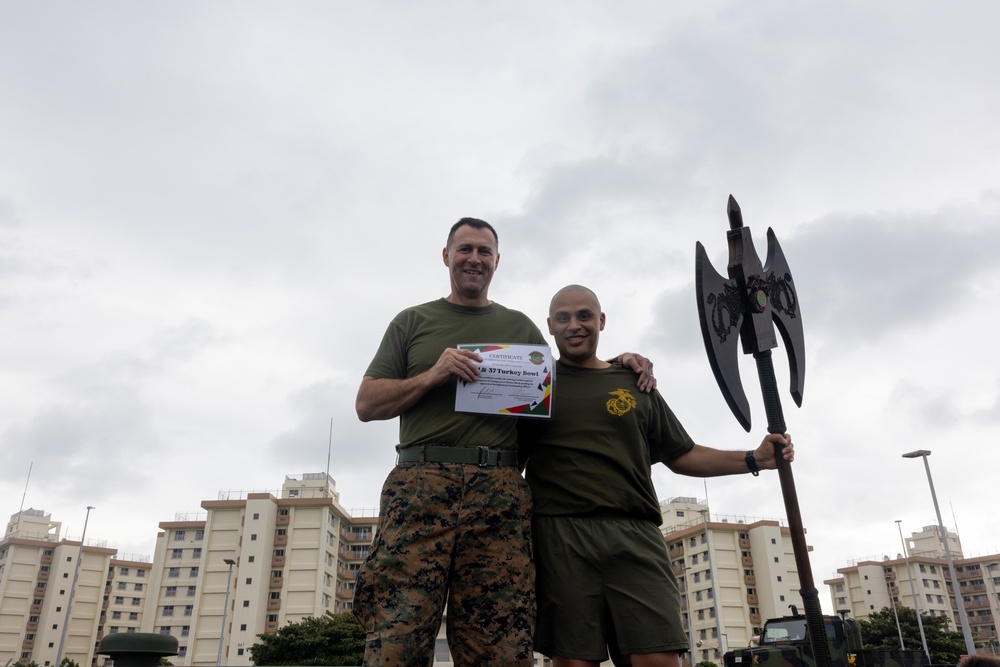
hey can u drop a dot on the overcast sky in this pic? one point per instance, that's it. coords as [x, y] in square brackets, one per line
[210, 211]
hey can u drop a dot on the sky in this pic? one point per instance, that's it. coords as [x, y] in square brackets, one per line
[209, 212]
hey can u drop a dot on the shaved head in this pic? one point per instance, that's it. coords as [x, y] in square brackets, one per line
[574, 288]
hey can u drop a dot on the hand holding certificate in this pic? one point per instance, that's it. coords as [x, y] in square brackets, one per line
[513, 380]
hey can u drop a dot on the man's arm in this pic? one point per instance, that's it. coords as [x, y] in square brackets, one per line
[386, 398]
[702, 461]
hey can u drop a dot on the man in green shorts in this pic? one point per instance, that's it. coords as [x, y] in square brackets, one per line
[454, 522]
[603, 574]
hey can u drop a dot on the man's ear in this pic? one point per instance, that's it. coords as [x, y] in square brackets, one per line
[444, 255]
[548, 320]
[602, 322]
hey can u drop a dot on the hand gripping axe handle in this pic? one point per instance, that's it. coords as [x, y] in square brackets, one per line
[747, 306]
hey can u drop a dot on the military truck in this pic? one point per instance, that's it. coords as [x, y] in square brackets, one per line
[784, 642]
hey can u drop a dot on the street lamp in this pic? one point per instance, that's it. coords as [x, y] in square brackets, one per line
[225, 608]
[913, 591]
[72, 588]
[970, 645]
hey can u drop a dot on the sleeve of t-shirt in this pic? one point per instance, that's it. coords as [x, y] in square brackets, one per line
[666, 437]
[390, 358]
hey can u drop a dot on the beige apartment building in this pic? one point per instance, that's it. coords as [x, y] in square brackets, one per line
[249, 564]
[924, 584]
[733, 573]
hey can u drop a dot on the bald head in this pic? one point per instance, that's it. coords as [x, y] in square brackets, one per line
[574, 289]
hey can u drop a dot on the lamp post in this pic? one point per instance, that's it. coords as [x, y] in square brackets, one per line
[72, 589]
[913, 591]
[225, 608]
[970, 646]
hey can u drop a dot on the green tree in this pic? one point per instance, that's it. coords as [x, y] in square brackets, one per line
[706, 663]
[331, 639]
[879, 631]
[66, 662]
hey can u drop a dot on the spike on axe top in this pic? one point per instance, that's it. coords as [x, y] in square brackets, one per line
[747, 306]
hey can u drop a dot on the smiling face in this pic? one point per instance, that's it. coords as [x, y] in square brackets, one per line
[472, 257]
[576, 321]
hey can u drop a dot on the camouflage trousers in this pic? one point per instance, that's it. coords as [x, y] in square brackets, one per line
[457, 535]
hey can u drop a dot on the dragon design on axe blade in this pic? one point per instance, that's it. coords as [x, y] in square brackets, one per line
[746, 303]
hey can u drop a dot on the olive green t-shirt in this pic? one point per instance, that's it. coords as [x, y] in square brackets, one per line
[412, 344]
[593, 456]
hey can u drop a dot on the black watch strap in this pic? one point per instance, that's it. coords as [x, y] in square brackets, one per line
[752, 463]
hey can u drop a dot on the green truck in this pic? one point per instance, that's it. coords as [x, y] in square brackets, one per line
[784, 642]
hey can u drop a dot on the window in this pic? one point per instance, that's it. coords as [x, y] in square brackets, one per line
[249, 580]
[774, 541]
[168, 610]
[199, 534]
[164, 629]
[249, 559]
[136, 602]
[196, 553]
[243, 627]
[697, 577]
[239, 651]
[193, 572]
[174, 572]
[185, 630]
[115, 615]
[256, 515]
[137, 587]
[133, 616]
[253, 537]
[119, 599]
[140, 573]
[694, 559]
[177, 553]
[182, 651]
[113, 630]
[180, 535]
[171, 592]
[246, 603]
[779, 577]
[776, 560]
[122, 585]
[272, 618]
[188, 610]
[191, 591]
[123, 571]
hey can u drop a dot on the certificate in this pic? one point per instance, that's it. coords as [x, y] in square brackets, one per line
[513, 380]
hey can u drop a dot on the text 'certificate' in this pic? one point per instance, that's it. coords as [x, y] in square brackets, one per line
[513, 380]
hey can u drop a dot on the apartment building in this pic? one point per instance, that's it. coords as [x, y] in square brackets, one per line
[920, 580]
[41, 613]
[255, 563]
[249, 564]
[733, 573]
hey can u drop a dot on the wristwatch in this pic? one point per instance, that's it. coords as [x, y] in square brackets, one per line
[752, 463]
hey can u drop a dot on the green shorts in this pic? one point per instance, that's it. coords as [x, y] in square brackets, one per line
[604, 583]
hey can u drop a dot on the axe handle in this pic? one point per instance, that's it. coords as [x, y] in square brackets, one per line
[810, 596]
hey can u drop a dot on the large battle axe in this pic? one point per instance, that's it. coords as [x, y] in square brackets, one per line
[747, 306]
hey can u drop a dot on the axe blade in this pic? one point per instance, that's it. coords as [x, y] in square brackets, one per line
[720, 312]
[785, 312]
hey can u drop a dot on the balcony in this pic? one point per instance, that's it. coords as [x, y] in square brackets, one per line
[277, 561]
[43, 575]
[746, 561]
[277, 582]
[40, 592]
[744, 543]
[271, 626]
[27, 644]
[46, 558]
[749, 580]
[283, 519]
[754, 619]
[31, 626]
[280, 539]
[753, 598]
[273, 604]
[36, 609]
